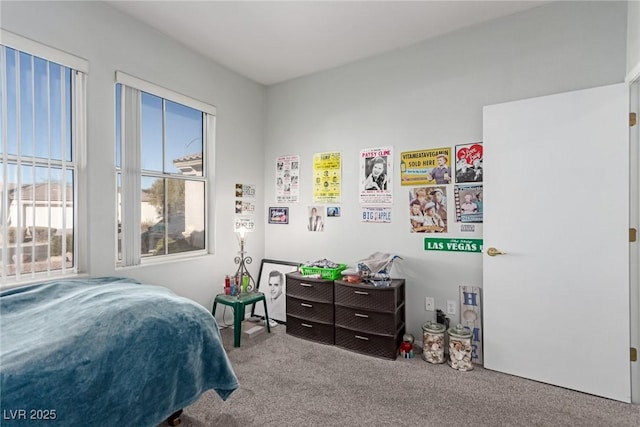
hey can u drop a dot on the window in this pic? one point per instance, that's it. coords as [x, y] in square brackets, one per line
[41, 132]
[161, 171]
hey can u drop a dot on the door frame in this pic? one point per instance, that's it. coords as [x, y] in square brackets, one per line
[634, 221]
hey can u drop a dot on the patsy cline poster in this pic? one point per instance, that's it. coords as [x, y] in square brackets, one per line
[376, 172]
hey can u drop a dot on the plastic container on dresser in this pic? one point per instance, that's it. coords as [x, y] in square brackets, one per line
[310, 308]
[370, 319]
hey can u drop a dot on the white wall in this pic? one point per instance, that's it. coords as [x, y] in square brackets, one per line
[111, 41]
[427, 96]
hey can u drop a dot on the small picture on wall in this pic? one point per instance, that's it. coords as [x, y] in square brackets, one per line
[333, 211]
[428, 209]
[469, 159]
[469, 203]
[278, 215]
[315, 221]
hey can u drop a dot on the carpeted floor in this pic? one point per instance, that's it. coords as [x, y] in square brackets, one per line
[287, 381]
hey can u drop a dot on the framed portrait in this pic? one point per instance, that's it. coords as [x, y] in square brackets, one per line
[272, 282]
[278, 215]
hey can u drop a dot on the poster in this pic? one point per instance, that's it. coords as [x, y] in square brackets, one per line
[469, 203]
[428, 209]
[327, 169]
[287, 179]
[424, 167]
[376, 172]
[469, 159]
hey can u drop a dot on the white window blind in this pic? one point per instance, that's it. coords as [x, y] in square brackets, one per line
[42, 130]
[162, 172]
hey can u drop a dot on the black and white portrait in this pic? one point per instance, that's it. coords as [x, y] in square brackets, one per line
[272, 282]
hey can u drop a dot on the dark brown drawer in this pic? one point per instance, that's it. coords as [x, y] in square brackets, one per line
[369, 321]
[357, 295]
[309, 330]
[309, 289]
[311, 310]
[385, 346]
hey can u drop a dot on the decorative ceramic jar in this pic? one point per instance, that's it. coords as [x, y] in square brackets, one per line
[433, 342]
[460, 349]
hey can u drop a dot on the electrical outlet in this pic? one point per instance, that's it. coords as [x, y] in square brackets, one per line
[429, 304]
[451, 307]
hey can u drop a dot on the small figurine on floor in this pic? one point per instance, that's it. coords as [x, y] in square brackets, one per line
[406, 348]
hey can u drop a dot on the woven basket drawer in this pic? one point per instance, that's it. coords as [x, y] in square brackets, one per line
[369, 321]
[309, 330]
[311, 310]
[309, 289]
[366, 296]
[385, 346]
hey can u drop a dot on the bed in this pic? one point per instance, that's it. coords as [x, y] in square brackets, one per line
[105, 351]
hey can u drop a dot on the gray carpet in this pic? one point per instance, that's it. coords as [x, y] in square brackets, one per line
[287, 381]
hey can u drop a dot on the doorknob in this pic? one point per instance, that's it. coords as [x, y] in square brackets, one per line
[494, 252]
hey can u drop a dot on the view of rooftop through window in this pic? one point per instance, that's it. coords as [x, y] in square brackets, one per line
[171, 175]
[38, 172]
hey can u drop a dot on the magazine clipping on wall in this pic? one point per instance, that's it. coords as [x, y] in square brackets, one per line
[469, 203]
[376, 173]
[426, 167]
[327, 177]
[315, 220]
[469, 160]
[428, 209]
[287, 179]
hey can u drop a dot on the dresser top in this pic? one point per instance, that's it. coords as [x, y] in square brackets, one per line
[395, 283]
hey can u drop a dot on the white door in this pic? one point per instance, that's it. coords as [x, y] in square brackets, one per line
[556, 187]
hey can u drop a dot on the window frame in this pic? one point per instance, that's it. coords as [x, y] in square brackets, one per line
[79, 69]
[128, 207]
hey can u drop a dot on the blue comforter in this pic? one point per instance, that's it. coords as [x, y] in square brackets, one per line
[105, 352]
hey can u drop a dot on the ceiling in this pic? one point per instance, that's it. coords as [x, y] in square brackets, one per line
[273, 41]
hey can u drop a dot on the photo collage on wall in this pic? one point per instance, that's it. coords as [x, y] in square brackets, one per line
[445, 193]
[429, 173]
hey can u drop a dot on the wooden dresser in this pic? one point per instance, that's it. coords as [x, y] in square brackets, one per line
[310, 308]
[369, 319]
